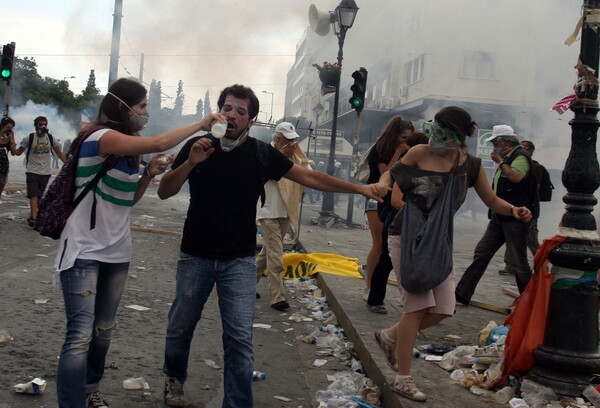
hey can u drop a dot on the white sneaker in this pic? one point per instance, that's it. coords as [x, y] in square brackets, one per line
[365, 295]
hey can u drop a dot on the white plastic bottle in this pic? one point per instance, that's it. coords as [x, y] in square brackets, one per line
[218, 129]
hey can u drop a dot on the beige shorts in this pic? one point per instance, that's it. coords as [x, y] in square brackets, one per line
[439, 300]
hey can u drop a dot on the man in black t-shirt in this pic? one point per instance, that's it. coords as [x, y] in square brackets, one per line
[226, 178]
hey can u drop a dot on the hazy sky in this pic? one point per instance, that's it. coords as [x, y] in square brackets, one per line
[206, 44]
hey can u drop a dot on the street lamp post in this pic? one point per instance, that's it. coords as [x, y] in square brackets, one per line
[569, 355]
[318, 111]
[270, 93]
[345, 14]
[69, 77]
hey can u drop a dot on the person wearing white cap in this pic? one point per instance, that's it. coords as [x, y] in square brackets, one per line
[282, 200]
[514, 182]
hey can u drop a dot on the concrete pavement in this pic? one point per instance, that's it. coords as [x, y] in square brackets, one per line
[344, 294]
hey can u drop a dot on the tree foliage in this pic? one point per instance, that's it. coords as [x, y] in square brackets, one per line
[179, 98]
[28, 85]
[207, 108]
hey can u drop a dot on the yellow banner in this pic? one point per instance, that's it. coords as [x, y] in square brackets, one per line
[305, 265]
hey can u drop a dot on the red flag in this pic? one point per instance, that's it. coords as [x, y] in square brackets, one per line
[564, 104]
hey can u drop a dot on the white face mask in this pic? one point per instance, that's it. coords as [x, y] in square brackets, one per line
[139, 121]
[228, 144]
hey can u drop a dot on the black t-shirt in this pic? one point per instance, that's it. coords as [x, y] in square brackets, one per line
[374, 161]
[224, 190]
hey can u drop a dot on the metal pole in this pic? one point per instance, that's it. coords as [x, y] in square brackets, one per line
[141, 76]
[569, 355]
[116, 41]
[316, 135]
[350, 212]
[327, 207]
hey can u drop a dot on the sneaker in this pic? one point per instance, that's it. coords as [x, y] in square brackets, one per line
[173, 394]
[95, 401]
[407, 388]
[505, 272]
[389, 349]
[377, 309]
[365, 295]
[363, 271]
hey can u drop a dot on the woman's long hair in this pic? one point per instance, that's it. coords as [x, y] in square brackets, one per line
[387, 142]
[114, 114]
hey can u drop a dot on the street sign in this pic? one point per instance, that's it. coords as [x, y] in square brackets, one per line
[484, 149]
[323, 141]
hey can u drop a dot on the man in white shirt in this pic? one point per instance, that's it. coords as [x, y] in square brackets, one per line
[39, 146]
[282, 200]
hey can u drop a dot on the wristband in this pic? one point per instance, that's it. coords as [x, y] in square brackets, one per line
[146, 174]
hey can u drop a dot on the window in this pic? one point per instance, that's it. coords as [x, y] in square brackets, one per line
[479, 64]
[413, 70]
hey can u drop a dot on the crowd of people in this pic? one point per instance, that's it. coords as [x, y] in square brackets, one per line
[252, 182]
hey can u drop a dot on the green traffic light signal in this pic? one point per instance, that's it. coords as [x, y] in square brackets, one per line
[6, 63]
[357, 101]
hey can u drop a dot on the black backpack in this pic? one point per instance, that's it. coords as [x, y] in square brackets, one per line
[545, 185]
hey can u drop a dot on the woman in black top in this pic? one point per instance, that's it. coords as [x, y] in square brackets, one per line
[388, 148]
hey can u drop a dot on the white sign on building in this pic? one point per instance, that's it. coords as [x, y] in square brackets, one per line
[484, 149]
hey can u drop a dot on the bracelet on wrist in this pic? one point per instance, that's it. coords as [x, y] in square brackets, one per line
[146, 174]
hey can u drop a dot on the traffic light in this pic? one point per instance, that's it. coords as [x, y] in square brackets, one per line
[358, 89]
[6, 66]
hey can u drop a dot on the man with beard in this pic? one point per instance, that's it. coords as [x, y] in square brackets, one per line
[514, 182]
[226, 177]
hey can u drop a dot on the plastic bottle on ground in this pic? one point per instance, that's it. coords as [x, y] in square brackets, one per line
[536, 395]
[517, 403]
[457, 375]
[592, 395]
[259, 375]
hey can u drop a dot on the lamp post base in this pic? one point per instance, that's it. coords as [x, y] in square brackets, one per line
[570, 356]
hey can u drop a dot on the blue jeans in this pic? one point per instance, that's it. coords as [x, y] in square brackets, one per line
[92, 291]
[236, 288]
[498, 232]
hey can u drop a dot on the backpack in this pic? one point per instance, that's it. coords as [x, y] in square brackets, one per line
[50, 137]
[363, 170]
[57, 204]
[544, 183]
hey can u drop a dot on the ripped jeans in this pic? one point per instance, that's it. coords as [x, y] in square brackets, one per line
[92, 291]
